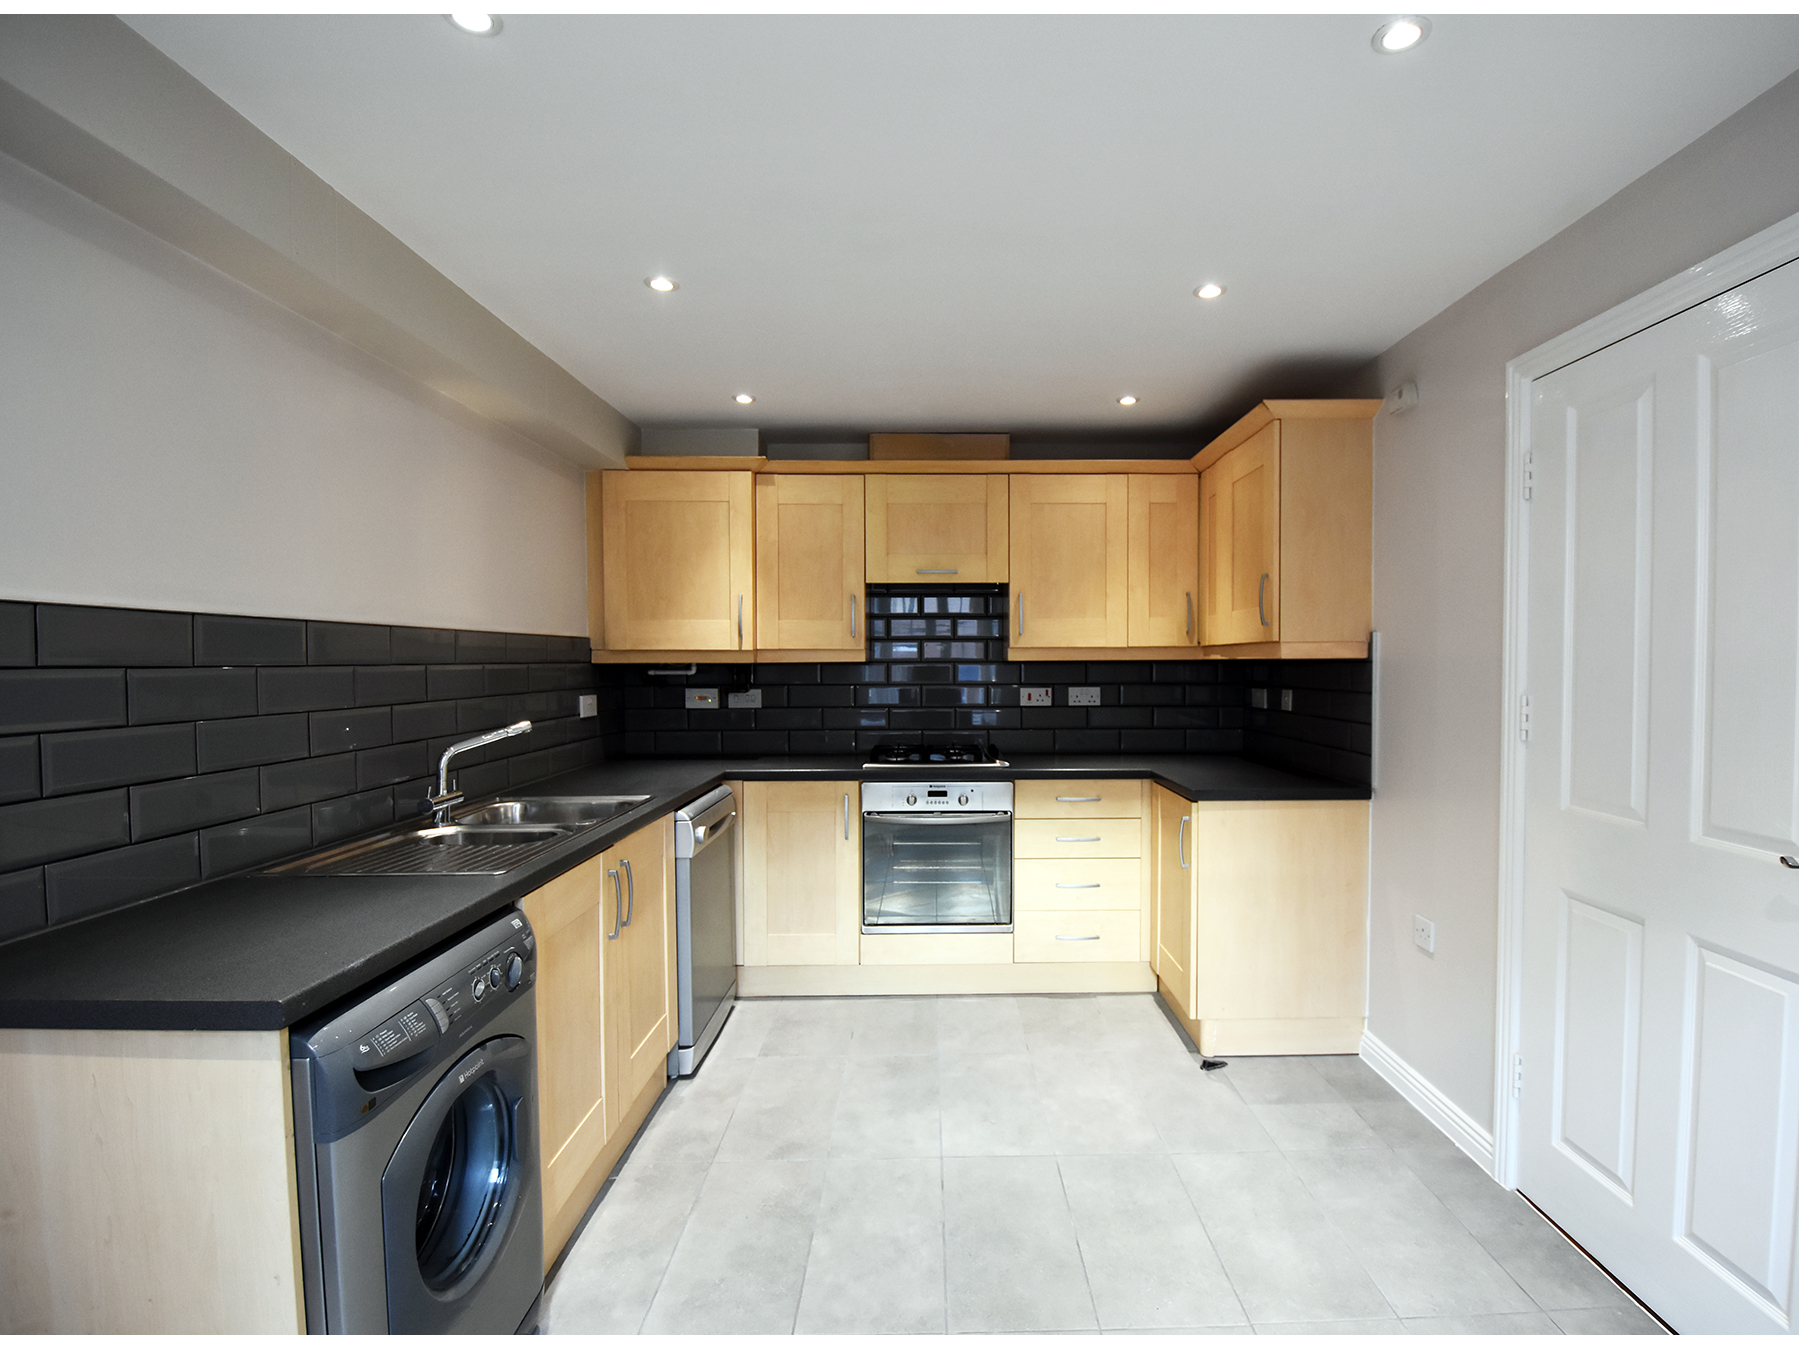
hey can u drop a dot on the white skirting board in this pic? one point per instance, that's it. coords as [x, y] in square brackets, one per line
[1464, 1130]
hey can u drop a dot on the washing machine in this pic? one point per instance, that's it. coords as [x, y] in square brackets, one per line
[415, 1112]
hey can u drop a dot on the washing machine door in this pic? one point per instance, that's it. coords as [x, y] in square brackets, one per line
[459, 1200]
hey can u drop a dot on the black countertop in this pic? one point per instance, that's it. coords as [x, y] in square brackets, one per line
[259, 953]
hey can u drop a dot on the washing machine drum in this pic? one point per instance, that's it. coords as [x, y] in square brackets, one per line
[450, 1197]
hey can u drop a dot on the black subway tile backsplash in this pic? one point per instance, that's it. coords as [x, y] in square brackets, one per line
[62, 827]
[228, 640]
[338, 730]
[83, 635]
[389, 684]
[415, 721]
[422, 646]
[391, 764]
[251, 843]
[346, 816]
[245, 741]
[307, 780]
[188, 803]
[21, 902]
[347, 644]
[18, 768]
[445, 682]
[18, 640]
[304, 688]
[480, 646]
[57, 700]
[80, 761]
[187, 695]
[84, 886]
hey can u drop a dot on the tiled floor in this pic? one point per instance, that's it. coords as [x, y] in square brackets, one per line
[1047, 1164]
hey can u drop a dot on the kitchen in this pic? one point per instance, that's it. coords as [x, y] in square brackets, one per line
[190, 441]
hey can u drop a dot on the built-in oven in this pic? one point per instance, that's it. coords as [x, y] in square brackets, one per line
[936, 857]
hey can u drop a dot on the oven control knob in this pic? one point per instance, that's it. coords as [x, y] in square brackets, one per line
[911, 801]
[515, 971]
[962, 800]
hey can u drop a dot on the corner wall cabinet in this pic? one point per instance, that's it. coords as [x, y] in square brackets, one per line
[1286, 532]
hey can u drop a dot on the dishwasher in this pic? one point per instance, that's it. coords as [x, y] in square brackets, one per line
[705, 924]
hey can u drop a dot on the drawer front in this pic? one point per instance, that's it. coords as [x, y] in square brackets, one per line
[1079, 883]
[1077, 798]
[1076, 935]
[1077, 838]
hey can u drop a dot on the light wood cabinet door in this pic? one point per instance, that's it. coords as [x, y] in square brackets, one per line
[1070, 560]
[809, 563]
[640, 984]
[1173, 955]
[679, 549]
[1164, 566]
[933, 527]
[570, 917]
[1240, 541]
[802, 874]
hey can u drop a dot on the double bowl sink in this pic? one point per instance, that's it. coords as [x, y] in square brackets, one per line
[485, 840]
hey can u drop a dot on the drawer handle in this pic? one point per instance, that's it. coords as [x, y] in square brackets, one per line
[935, 571]
[1078, 839]
[1080, 799]
[1077, 885]
[1070, 937]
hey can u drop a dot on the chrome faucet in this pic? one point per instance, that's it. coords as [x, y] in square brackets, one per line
[445, 798]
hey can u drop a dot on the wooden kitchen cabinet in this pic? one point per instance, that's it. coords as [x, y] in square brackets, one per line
[1164, 560]
[802, 874]
[640, 1011]
[936, 527]
[1272, 925]
[670, 563]
[1286, 501]
[809, 565]
[1079, 875]
[1070, 562]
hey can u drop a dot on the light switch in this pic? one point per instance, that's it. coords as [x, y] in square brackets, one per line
[1083, 696]
[1035, 695]
[701, 698]
[1258, 698]
[744, 698]
[588, 706]
[1286, 700]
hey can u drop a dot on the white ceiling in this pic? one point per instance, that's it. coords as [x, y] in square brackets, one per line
[973, 223]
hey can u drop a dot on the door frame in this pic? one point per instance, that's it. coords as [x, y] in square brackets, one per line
[1759, 253]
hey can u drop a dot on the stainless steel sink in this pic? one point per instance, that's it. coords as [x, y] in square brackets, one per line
[577, 811]
[487, 836]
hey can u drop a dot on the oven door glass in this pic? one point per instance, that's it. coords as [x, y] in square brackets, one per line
[936, 872]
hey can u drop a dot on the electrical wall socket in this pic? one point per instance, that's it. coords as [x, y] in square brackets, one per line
[1258, 698]
[744, 698]
[1424, 934]
[1034, 695]
[588, 706]
[701, 698]
[1083, 696]
[1286, 700]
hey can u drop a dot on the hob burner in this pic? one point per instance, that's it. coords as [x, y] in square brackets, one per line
[945, 752]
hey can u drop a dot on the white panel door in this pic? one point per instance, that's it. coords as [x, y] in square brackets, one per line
[1659, 1107]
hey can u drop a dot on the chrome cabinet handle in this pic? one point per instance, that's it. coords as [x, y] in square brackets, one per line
[1070, 937]
[618, 905]
[1077, 885]
[740, 621]
[1021, 614]
[1189, 613]
[1080, 799]
[1261, 612]
[935, 571]
[1181, 840]
[846, 815]
[852, 616]
[630, 892]
[1077, 838]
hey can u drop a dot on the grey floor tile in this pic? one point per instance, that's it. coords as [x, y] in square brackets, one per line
[888, 1109]
[1402, 1125]
[1199, 1112]
[1244, 1330]
[987, 1025]
[1301, 1126]
[894, 1026]
[991, 1106]
[786, 1110]
[1631, 1321]
[1286, 1260]
[1544, 1263]
[811, 1027]
[692, 1118]
[745, 1029]
[1353, 1080]
[1011, 1259]
[612, 1270]
[1488, 1324]
[876, 1265]
[1424, 1260]
[741, 1260]
[1278, 1079]
[1091, 1104]
[1073, 1022]
[1147, 1257]
[1378, 1326]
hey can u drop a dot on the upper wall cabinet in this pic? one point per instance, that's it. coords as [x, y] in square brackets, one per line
[1070, 561]
[937, 527]
[1286, 531]
[809, 563]
[678, 552]
[1164, 567]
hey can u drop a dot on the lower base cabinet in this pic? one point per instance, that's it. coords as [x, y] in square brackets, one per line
[606, 1016]
[802, 874]
[1261, 923]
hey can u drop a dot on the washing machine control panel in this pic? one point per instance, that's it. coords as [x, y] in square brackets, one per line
[505, 969]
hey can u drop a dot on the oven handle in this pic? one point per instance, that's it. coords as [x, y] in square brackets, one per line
[933, 818]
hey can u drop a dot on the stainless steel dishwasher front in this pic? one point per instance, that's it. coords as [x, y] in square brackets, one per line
[705, 923]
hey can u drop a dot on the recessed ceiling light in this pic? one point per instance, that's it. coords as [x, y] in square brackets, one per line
[1127, 399]
[746, 398]
[481, 25]
[1210, 291]
[661, 284]
[1400, 35]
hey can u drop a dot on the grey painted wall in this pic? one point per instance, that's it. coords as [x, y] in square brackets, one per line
[1439, 524]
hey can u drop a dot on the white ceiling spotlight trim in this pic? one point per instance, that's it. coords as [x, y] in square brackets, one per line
[661, 283]
[1210, 291]
[1400, 35]
[1127, 400]
[746, 398]
[476, 25]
